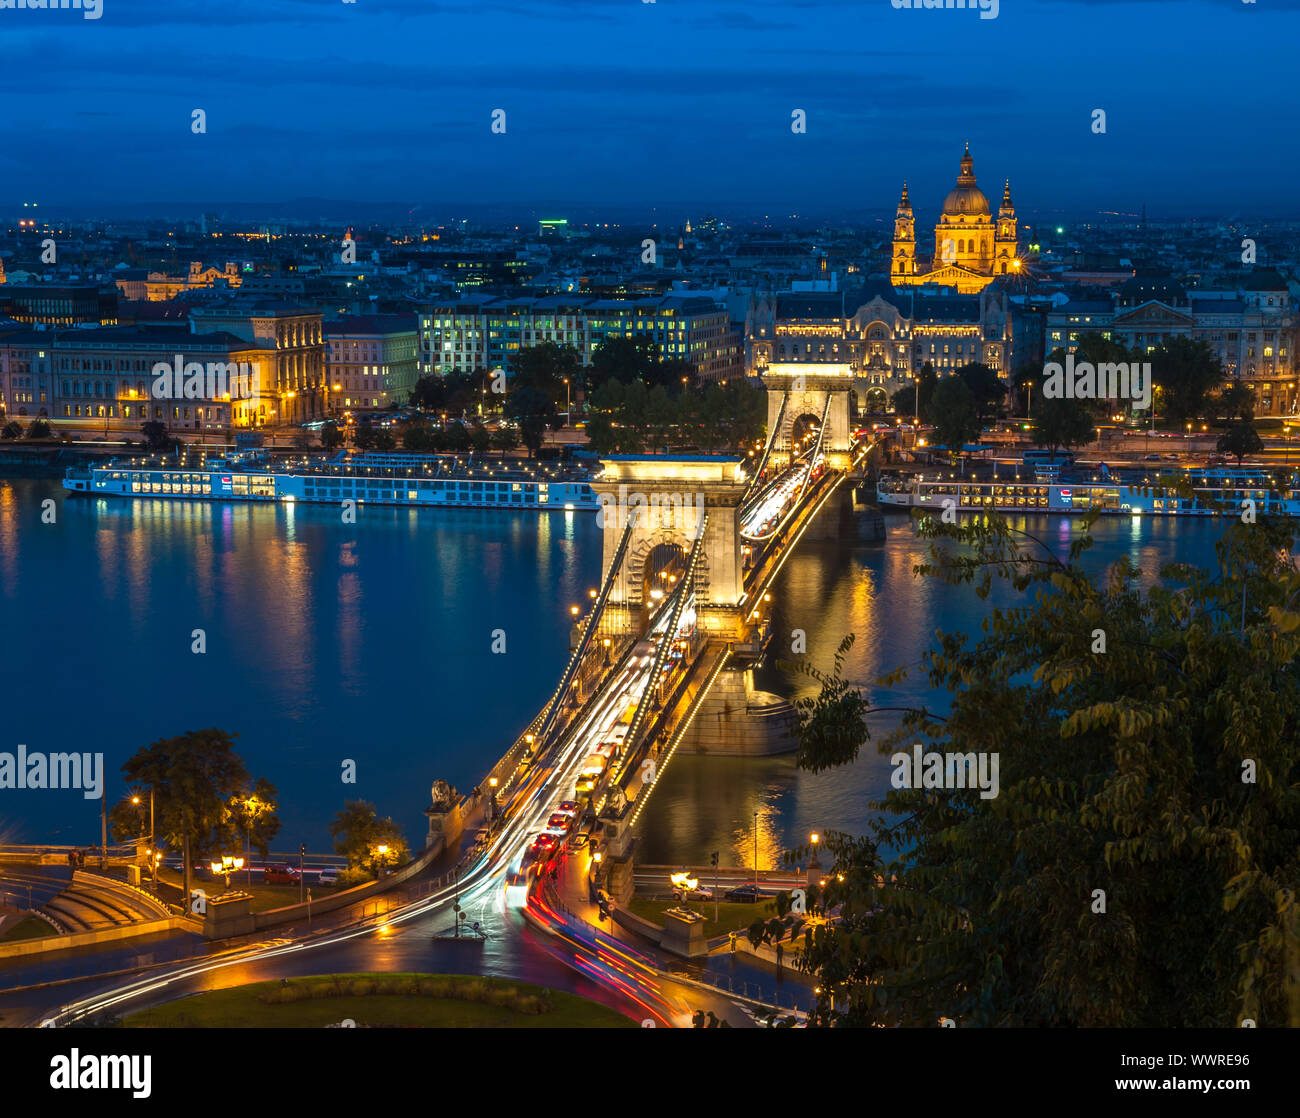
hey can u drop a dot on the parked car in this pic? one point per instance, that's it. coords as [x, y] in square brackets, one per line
[745, 894]
[698, 894]
[280, 875]
[1151, 458]
[328, 877]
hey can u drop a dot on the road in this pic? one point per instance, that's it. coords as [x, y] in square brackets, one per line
[403, 938]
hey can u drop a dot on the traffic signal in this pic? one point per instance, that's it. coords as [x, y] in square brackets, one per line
[714, 858]
[302, 849]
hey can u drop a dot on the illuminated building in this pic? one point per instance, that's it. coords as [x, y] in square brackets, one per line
[371, 360]
[295, 333]
[481, 332]
[971, 248]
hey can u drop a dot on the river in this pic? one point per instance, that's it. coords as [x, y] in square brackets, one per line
[372, 642]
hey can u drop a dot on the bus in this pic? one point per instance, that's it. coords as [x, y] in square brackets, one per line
[1032, 456]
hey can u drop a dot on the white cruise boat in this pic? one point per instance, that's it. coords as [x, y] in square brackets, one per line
[1156, 497]
[381, 479]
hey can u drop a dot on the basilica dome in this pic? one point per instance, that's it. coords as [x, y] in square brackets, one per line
[966, 199]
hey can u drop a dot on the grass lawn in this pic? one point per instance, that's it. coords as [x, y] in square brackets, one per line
[265, 897]
[239, 1008]
[29, 927]
[731, 915]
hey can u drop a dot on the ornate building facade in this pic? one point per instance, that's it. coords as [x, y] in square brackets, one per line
[1252, 327]
[881, 336]
[971, 246]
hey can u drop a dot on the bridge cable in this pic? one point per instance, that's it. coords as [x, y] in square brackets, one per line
[588, 629]
[686, 590]
[816, 450]
[767, 451]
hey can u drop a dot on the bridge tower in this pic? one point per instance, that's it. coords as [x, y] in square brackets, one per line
[799, 394]
[668, 498]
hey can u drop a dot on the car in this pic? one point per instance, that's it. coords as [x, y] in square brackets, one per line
[1171, 457]
[697, 894]
[569, 807]
[279, 875]
[559, 820]
[328, 877]
[579, 841]
[1151, 458]
[482, 837]
[543, 843]
[744, 894]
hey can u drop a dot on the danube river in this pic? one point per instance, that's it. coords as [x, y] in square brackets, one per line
[372, 642]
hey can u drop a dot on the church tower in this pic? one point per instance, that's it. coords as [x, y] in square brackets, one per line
[1007, 255]
[903, 262]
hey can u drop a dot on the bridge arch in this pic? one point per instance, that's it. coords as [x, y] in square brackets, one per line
[650, 557]
[798, 389]
[668, 499]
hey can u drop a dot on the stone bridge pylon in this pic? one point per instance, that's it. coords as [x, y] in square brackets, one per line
[799, 395]
[668, 498]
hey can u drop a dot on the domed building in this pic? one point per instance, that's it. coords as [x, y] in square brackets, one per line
[971, 247]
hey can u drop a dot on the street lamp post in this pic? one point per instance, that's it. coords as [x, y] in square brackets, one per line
[152, 859]
[755, 855]
[252, 806]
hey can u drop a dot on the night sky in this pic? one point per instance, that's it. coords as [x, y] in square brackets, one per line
[680, 103]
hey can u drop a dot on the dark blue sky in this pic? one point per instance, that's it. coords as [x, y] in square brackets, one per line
[676, 103]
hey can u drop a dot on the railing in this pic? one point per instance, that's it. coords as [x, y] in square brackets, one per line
[752, 491]
[666, 642]
[593, 617]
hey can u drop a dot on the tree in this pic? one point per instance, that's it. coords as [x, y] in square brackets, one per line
[1024, 379]
[480, 440]
[452, 394]
[366, 436]
[417, 437]
[38, 429]
[1135, 866]
[12, 430]
[384, 439]
[252, 816]
[1062, 423]
[631, 418]
[951, 409]
[456, 438]
[1236, 401]
[193, 775]
[505, 439]
[1240, 439]
[914, 399]
[330, 435]
[1186, 372]
[987, 389]
[155, 435]
[358, 833]
[544, 368]
[532, 409]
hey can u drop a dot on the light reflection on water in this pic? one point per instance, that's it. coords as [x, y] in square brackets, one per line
[372, 641]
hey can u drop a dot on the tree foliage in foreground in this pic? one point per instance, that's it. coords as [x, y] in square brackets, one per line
[1164, 771]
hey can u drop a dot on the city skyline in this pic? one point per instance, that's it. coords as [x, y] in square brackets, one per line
[627, 108]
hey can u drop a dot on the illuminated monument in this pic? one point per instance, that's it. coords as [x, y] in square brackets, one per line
[970, 246]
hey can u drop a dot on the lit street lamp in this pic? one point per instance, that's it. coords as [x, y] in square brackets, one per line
[229, 864]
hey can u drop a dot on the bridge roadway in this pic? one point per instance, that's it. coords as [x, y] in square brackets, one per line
[530, 797]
